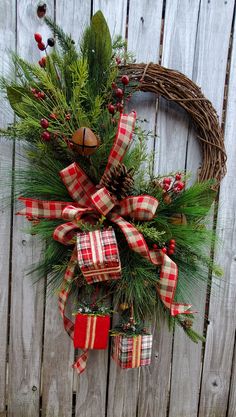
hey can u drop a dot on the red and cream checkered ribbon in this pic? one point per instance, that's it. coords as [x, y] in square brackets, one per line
[91, 200]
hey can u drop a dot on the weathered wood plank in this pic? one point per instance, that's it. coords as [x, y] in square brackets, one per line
[145, 20]
[7, 39]
[144, 32]
[178, 52]
[58, 356]
[180, 28]
[26, 298]
[232, 396]
[58, 347]
[221, 331]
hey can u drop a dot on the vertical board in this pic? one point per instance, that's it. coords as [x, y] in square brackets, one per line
[221, 330]
[180, 28]
[58, 353]
[26, 298]
[144, 33]
[7, 40]
[232, 397]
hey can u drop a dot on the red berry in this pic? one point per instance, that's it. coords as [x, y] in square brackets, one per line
[172, 246]
[42, 62]
[46, 136]
[166, 187]
[172, 241]
[111, 108]
[53, 116]
[167, 181]
[120, 107]
[155, 247]
[114, 86]
[178, 177]
[118, 60]
[44, 123]
[179, 185]
[125, 79]
[33, 90]
[41, 46]
[68, 116]
[41, 94]
[171, 252]
[119, 93]
[38, 37]
[164, 250]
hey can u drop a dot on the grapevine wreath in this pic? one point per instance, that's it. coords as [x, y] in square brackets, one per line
[117, 238]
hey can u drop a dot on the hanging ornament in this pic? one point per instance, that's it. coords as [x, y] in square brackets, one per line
[86, 141]
[132, 351]
[91, 331]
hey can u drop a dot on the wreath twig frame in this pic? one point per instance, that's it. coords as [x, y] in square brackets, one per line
[175, 86]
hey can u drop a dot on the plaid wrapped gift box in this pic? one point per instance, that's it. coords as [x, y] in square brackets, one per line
[91, 331]
[132, 351]
[98, 255]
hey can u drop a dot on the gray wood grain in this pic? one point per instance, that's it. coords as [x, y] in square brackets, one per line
[58, 357]
[7, 40]
[181, 20]
[26, 325]
[144, 32]
[221, 331]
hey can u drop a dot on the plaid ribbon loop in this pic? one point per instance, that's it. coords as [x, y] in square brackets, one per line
[90, 200]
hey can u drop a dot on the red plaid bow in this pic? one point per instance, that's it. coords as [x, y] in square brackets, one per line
[90, 200]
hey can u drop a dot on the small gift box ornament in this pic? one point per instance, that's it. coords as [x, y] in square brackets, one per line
[98, 255]
[132, 351]
[91, 331]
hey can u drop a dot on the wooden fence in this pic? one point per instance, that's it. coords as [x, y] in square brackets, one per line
[198, 38]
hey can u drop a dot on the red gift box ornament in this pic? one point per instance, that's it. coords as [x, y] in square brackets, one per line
[98, 255]
[91, 331]
[132, 351]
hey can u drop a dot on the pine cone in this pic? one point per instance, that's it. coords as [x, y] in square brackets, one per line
[187, 323]
[119, 181]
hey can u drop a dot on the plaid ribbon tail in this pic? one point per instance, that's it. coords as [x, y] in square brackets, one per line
[64, 293]
[81, 362]
[167, 286]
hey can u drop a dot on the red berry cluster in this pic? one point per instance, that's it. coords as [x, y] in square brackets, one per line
[45, 123]
[119, 96]
[173, 184]
[170, 249]
[41, 44]
[39, 95]
[45, 134]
